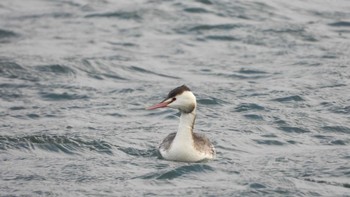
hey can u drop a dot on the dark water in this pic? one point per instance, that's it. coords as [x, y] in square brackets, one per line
[271, 78]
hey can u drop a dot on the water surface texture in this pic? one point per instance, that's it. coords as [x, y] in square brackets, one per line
[271, 78]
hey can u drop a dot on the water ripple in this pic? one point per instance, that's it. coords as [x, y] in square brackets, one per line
[270, 142]
[56, 69]
[199, 28]
[178, 172]
[118, 14]
[248, 107]
[340, 24]
[196, 10]
[7, 34]
[55, 143]
[296, 98]
[210, 101]
[341, 129]
[13, 70]
[289, 129]
[139, 152]
[145, 71]
[221, 38]
[62, 96]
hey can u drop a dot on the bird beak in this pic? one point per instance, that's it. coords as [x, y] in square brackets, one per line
[162, 104]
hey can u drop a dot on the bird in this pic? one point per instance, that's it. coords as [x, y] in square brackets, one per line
[184, 145]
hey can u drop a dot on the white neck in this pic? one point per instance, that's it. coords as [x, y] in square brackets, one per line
[184, 132]
[182, 147]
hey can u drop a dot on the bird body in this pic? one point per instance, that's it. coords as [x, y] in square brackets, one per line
[184, 145]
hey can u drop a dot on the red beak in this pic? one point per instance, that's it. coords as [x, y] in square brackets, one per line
[159, 105]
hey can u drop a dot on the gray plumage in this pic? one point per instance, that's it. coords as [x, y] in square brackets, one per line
[166, 143]
[200, 142]
[203, 144]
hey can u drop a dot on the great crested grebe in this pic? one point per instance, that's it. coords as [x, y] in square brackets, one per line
[184, 145]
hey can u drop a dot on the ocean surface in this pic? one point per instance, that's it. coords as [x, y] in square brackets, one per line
[272, 80]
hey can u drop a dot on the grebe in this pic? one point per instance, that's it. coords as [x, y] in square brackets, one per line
[184, 145]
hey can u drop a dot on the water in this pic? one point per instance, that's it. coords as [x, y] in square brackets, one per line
[271, 78]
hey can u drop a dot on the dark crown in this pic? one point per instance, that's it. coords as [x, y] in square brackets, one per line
[178, 90]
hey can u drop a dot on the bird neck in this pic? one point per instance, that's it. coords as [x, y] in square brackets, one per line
[185, 131]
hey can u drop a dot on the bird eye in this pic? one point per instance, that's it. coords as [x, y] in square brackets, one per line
[174, 99]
